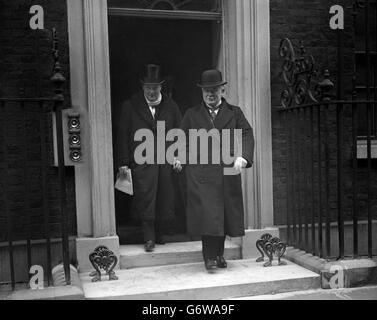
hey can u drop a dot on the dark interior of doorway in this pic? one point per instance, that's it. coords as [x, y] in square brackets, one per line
[183, 48]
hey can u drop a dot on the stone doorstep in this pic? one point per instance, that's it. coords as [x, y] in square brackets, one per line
[134, 256]
[356, 272]
[193, 282]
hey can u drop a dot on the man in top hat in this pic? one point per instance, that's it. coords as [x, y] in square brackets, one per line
[153, 199]
[214, 199]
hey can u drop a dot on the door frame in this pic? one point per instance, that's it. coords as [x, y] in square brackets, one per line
[246, 66]
[164, 14]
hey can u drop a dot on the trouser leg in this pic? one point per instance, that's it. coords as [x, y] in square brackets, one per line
[211, 246]
[149, 230]
[220, 246]
[160, 224]
[165, 201]
[145, 179]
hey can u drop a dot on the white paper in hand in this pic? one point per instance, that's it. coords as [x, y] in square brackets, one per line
[124, 184]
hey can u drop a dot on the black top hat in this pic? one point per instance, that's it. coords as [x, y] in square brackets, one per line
[211, 78]
[152, 75]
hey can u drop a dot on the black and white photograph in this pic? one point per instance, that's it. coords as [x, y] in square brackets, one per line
[191, 155]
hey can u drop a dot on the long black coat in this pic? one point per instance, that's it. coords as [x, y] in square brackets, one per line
[153, 185]
[214, 200]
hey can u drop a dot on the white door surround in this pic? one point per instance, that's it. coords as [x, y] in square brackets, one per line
[246, 65]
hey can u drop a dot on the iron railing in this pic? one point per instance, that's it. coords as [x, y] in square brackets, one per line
[40, 110]
[328, 186]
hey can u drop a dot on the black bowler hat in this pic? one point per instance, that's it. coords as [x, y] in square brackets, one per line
[152, 75]
[211, 78]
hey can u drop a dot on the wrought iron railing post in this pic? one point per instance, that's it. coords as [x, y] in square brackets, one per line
[288, 177]
[326, 87]
[339, 124]
[58, 81]
[369, 124]
[355, 215]
[313, 237]
[319, 189]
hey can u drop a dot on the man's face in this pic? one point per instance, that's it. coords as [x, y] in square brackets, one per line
[152, 92]
[212, 96]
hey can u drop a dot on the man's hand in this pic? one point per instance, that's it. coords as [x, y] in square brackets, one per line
[240, 164]
[123, 171]
[177, 166]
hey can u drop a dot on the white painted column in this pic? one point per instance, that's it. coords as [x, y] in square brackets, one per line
[247, 69]
[99, 111]
[90, 89]
[80, 105]
[262, 109]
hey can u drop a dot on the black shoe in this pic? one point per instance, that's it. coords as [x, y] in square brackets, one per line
[210, 264]
[221, 263]
[149, 246]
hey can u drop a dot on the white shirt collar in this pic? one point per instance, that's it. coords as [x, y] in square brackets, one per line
[153, 104]
[217, 106]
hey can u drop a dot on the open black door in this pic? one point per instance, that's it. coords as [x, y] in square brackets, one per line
[183, 48]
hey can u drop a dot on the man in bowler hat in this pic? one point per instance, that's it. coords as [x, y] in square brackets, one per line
[214, 199]
[153, 199]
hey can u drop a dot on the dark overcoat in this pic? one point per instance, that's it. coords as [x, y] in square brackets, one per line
[214, 200]
[152, 183]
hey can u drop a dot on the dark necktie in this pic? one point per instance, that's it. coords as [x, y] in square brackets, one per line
[212, 112]
[155, 111]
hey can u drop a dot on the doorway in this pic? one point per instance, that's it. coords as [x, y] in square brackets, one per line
[183, 49]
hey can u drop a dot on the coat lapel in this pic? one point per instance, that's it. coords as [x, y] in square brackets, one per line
[161, 110]
[203, 119]
[223, 116]
[142, 108]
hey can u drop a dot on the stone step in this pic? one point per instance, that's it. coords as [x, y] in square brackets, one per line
[192, 282]
[134, 256]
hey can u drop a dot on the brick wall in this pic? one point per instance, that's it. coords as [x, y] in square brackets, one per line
[25, 70]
